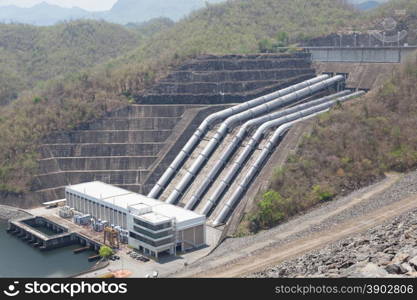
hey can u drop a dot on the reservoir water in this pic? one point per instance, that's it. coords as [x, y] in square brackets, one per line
[18, 259]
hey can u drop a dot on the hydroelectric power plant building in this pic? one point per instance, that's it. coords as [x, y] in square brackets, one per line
[155, 227]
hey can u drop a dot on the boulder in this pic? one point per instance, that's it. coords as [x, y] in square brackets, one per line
[413, 262]
[407, 267]
[395, 269]
[373, 270]
[362, 257]
[400, 257]
[365, 270]
[361, 242]
[381, 258]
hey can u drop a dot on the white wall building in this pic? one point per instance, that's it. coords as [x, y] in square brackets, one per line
[154, 226]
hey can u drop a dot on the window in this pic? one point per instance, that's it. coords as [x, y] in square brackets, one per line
[152, 227]
[149, 242]
[152, 235]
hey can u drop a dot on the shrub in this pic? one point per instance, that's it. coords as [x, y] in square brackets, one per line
[270, 210]
[105, 252]
[323, 194]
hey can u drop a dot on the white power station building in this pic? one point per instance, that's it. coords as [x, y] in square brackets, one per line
[155, 227]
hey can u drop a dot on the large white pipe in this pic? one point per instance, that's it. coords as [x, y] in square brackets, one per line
[238, 138]
[213, 119]
[243, 116]
[257, 165]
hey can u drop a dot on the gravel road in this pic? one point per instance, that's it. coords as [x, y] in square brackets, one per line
[394, 188]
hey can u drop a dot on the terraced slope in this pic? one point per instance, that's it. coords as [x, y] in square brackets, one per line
[228, 78]
[118, 149]
[132, 147]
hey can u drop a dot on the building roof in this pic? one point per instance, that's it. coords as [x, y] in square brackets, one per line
[98, 189]
[181, 215]
[134, 202]
[154, 218]
[130, 200]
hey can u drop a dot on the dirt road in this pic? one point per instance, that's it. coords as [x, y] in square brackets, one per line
[259, 256]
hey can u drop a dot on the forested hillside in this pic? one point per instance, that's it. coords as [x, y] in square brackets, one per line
[395, 8]
[149, 28]
[30, 54]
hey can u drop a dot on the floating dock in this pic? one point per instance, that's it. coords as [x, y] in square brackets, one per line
[79, 250]
[94, 257]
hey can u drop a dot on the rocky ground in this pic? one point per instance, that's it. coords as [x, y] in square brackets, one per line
[389, 250]
[8, 212]
[238, 248]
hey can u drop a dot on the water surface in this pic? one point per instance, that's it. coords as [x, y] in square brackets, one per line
[18, 259]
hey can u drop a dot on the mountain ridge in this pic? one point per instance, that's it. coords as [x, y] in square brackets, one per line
[368, 5]
[122, 12]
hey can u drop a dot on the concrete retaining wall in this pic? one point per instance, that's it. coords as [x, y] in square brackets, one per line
[117, 149]
[111, 136]
[113, 149]
[361, 55]
[361, 75]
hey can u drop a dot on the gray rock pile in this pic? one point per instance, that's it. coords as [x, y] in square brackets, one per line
[8, 212]
[389, 250]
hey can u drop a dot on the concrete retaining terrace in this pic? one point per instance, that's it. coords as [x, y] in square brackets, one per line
[228, 78]
[132, 147]
[117, 149]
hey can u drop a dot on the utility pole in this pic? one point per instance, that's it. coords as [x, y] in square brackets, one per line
[398, 38]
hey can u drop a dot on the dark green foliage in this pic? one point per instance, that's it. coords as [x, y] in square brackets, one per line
[322, 194]
[273, 45]
[105, 252]
[271, 210]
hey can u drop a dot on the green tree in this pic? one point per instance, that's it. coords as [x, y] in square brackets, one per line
[282, 39]
[105, 252]
[322, 193]
[265, 46]
[270, 210]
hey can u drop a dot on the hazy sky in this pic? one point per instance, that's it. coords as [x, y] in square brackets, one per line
[86, 4]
